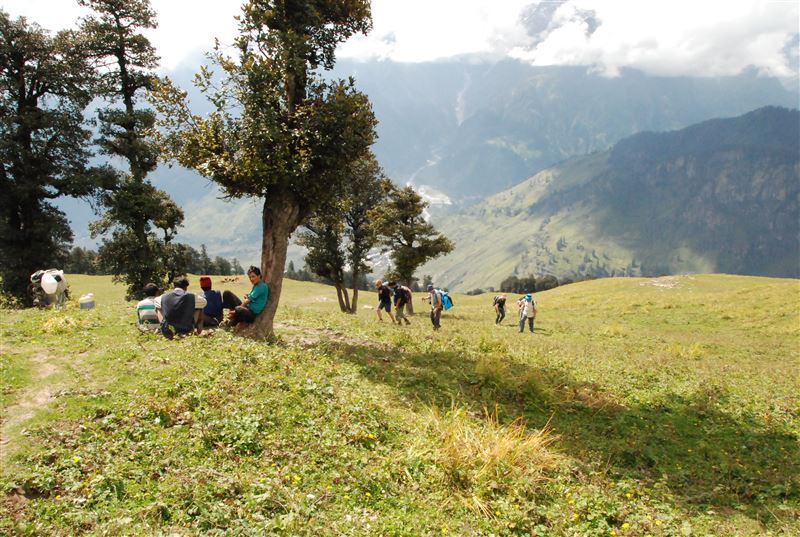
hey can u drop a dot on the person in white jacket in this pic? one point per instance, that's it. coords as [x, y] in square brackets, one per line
[527, 310]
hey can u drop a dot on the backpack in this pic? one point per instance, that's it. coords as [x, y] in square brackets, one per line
[447, 302]
[405, 292]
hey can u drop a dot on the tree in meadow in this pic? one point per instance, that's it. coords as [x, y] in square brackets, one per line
[405, 234]
[46, 83]
[141, 219]
[341, 235]
[277, 131]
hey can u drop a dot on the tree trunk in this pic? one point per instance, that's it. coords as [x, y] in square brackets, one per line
[280, 217]
[344, 300]
[354, 304]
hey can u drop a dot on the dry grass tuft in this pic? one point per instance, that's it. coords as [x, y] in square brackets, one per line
[481, 457]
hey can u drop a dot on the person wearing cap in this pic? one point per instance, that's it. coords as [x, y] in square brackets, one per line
[527, 310]
[402, 296]
[212, 313]
[384, 300]
[435, 298]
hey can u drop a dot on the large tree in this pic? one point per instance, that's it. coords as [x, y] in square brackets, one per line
[45, 85]
[142, 219]
[278, 131]
[405, 234]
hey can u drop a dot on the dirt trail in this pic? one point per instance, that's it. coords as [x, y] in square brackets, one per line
[30, 401]
[299, 336]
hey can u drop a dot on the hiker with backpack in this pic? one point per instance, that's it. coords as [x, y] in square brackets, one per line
[527, 310]
[499, 304]
[402, 296]
[435, 299]
[384, 300]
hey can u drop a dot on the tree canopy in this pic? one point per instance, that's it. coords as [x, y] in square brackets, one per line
[405, 234]
[141, 219]
[277, 130]
[341, 234]
[45, 85]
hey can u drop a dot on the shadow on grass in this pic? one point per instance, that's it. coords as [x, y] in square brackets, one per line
[704, 456]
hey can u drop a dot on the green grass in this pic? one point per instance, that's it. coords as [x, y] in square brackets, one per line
[639, 407]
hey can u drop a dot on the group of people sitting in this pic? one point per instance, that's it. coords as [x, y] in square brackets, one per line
[179, 312]
[526, 306]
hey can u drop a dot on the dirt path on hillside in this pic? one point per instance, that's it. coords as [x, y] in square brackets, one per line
[36, 397]
[304, 337]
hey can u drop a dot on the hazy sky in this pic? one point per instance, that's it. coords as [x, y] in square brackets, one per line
[665, 37]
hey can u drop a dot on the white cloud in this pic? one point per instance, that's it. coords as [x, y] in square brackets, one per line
[424, 30]
[679, 37]
[184, 26]
[665, 37]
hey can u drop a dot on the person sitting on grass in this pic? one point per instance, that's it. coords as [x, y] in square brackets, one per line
[146, 310]
[246, 311]
[212, 313]
[180, 312]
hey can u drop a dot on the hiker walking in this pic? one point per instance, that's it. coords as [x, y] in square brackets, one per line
[384, 300]
[435, 298]
[499, 304]
[402, 296]
[527, 310]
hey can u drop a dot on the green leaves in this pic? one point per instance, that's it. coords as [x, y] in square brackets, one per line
[45, 84]
[404, 232]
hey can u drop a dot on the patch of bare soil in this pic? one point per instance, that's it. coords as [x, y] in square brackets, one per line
[666, 282]
[32, 400]
[306, 337]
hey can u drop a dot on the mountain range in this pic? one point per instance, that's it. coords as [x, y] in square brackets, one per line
[719, 196]
[462, 130]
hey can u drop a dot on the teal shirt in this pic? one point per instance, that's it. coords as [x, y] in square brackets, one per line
[258, 297]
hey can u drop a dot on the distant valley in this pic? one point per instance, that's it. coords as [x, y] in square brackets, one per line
[720, 196]
[463, 130]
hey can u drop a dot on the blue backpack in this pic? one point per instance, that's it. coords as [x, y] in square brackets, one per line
[447, 302]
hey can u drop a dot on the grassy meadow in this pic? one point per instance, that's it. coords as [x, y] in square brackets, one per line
[639, 407]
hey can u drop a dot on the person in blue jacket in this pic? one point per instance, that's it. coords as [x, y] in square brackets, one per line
[212, 313]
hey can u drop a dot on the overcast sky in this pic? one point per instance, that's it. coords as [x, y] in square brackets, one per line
[664, 37]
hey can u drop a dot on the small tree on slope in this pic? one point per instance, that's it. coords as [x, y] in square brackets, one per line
[409, 239]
